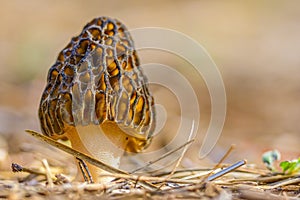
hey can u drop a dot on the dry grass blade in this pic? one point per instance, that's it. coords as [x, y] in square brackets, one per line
[48, 173]
[83, 156]
[163, 156]
[265, 180]
[18, 168]
[228, 152]
[180, 158]
[289, 181]
[245, 183]
[151, 179]
[220, 161]
[176, 165]
[85, 171]
[75, 153]
[256, 194]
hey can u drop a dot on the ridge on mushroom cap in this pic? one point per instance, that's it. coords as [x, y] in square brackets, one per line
[97, 79]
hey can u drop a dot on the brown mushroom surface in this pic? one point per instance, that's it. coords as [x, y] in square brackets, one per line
[97, 95]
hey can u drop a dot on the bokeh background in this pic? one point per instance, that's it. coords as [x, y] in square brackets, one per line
[255, 45]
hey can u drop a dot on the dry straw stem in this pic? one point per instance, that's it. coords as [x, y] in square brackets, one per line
[85, 171]
[75, 153]
[289, 181]
[243, 183]
[219, 163]
[266, 179]
[151, 179]
[18, 168]
[252, 193]
[199, 172]
[48, 173]
[163, 156]
[118, 171]
[177, 164]
[83, 156]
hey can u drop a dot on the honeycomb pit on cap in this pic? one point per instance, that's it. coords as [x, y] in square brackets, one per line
[97, 95]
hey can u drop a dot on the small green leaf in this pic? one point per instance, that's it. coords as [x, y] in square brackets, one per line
[285, 165]
[290, 167]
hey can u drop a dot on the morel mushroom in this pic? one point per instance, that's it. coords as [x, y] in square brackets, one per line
[97, 95]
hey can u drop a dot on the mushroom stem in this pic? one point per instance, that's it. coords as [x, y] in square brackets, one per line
[92, 141]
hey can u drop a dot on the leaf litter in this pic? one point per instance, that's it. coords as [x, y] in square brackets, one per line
[225, 181]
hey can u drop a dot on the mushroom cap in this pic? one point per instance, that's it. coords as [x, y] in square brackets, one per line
[97, 80]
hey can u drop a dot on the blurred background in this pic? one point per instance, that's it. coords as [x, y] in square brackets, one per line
[255, 45]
